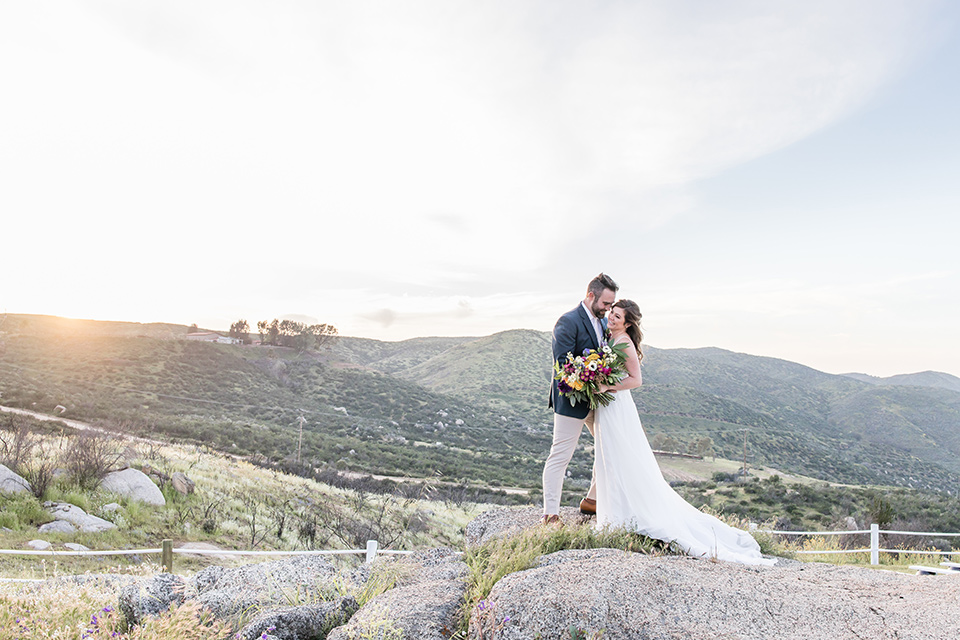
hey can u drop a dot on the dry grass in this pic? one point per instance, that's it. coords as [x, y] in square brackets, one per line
[899, 560]
[88, 611]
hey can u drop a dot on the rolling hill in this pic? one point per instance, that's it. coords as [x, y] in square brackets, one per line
[796, 418]
[935, 379]
[469, 407]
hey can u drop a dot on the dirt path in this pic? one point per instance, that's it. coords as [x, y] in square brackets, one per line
[82, 426]
[77, 424]
[356, 475]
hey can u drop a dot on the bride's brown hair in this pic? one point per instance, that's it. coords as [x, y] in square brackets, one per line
[631, 318]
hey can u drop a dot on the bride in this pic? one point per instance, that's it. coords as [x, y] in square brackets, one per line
[631, 491]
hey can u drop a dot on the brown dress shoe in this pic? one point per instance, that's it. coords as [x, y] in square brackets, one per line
[551, 519]
[588, 507]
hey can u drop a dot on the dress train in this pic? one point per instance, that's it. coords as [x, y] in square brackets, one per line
[632, 493]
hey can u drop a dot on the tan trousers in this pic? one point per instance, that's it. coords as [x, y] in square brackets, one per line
[566, 433]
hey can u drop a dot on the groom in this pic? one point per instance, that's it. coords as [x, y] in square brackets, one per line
[576, 330]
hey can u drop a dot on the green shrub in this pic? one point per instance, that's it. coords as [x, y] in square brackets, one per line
[71, 494]
[9, 520]
[23, 510]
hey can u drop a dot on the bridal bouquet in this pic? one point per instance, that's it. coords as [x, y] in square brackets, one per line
[579, 377]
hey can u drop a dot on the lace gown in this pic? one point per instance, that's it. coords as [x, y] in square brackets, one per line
[632, 493]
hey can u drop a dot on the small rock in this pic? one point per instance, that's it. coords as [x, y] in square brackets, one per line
[133, 484]
[182, 483]
[57, 526]
[300, 623]
[39, 545]
[78, 517]
[151, 596]
[74, 546]
[110, 508]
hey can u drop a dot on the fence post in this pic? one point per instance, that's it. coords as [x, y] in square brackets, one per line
[166, 556]
[874, 543]
[372, 546]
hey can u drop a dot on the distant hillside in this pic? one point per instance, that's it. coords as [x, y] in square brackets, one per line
[14, 324]
[935, 379]
[510, 371]
[248, 400]
[390, 357]
[797, 418]
[470, 407]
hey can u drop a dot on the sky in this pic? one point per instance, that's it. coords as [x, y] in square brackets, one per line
[778, 179]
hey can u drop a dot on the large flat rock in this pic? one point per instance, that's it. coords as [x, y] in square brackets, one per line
[66, 512]
[629, 595]
[10, 482]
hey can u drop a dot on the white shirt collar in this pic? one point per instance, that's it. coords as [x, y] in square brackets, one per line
[597, 325]
[589, 312]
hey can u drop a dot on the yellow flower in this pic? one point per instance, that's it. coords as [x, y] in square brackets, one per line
[578, 385]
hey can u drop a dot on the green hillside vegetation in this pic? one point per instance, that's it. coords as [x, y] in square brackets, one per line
[470, 409]
[247, 400]
[934, 379]
[818, 506]
[236, 505]
[390, 357]
[797, 419]
[507, 371]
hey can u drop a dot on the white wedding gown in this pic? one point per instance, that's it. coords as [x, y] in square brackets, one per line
[632, 493]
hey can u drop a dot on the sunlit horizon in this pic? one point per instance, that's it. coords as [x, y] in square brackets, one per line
[253, 333]
[771, 179]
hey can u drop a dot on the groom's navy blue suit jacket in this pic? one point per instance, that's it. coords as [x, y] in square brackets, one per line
[573, 333]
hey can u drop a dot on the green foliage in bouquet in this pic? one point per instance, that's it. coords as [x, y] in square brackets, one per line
[579, 377]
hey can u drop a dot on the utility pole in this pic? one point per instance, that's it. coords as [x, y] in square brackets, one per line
[301, 419]
[744, 452]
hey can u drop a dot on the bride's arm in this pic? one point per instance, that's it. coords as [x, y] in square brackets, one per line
[634, 378]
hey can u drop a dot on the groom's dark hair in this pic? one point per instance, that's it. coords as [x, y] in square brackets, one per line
[601, 282]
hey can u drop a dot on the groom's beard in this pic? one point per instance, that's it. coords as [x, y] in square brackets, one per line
[598, 312]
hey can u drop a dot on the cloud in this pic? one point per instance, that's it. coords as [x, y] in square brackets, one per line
[384, 317]
[453, 150]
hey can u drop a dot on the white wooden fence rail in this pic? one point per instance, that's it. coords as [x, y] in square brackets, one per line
[373, 549]
[166, 551]
[874, 548]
